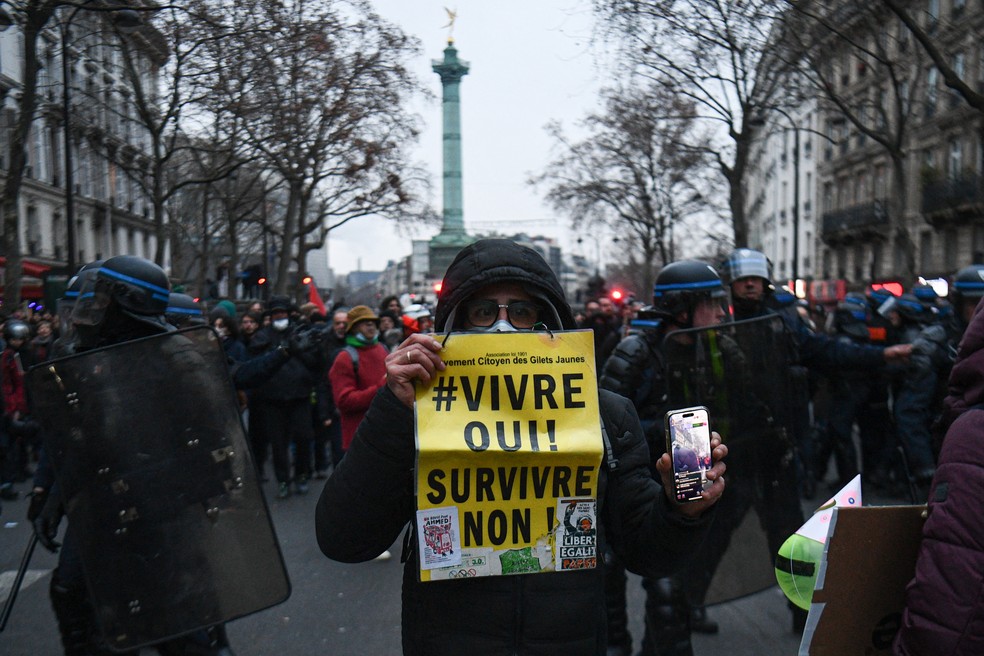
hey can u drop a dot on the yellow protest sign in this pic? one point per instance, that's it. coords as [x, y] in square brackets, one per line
[508, 454]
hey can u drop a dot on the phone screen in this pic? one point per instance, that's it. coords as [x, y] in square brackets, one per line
[689, 444]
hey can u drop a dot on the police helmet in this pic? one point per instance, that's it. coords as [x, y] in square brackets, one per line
[182, 310]
[745, 263]
[16, 329]
[907, 305]
[968, 284]
[137, 286]
[878, 297]
[924, 292]
[855, 304]
[681, 285]
[851, 319]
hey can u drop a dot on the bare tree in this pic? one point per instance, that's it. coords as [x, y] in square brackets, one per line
[719, 56]
[31, 17]
[639, 171]
[319, 88]
[167, 108]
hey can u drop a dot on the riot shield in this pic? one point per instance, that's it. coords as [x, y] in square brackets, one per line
[741, 372]
[157, 478]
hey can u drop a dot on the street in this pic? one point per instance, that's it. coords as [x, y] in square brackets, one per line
[347, 610]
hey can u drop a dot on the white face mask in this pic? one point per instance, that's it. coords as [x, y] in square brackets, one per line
[280, 325]
[500, 326]
[222, 331]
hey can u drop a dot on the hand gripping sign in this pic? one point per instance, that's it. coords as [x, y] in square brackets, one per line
[508, 454]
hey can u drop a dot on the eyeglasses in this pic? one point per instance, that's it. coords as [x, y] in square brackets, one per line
[483, 313]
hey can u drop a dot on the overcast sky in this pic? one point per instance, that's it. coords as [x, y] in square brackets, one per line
[531, 62]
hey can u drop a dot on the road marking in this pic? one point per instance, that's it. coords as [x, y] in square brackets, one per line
[30, 576]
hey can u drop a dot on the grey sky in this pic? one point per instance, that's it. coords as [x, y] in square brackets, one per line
[531, 62]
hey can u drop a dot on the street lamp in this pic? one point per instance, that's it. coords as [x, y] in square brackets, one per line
[126, 19]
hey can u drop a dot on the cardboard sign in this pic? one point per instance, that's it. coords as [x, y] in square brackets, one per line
[508, 454]
[869, 558]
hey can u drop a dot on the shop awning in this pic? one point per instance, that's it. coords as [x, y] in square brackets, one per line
[28, 268]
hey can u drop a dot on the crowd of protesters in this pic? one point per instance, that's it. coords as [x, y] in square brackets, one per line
[874, 367]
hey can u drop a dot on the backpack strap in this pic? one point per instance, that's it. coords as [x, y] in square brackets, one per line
[354, 354]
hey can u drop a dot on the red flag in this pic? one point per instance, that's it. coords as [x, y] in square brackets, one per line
[315, 297]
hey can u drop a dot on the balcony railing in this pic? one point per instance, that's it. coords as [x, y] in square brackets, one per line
[956, 195]
[857, 218]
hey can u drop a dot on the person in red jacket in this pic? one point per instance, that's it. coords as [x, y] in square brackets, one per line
[359, 370]
[14, 361]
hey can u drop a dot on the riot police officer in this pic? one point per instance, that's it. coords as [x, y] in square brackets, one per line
[748, 272]
[125, 300]
[687, 294]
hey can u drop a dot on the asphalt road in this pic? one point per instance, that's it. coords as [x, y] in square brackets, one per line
[346, 610]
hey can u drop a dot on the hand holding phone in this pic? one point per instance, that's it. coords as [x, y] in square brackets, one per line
[688, 441]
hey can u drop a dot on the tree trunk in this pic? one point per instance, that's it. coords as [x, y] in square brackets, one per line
[897, 206]
[35, 18]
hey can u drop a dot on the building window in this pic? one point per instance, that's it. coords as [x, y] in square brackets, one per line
[958, 68]
[932, 13]
[955, 161]
[977, 247]
[980, 154]
[932, 78]
[950, 245]
[925, 251]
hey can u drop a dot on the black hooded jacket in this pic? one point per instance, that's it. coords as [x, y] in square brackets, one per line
[369, 500]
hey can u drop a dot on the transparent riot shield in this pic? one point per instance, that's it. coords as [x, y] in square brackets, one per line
[157, 478]
[741, 372]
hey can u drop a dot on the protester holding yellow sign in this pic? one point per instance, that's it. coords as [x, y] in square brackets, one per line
[511, 469]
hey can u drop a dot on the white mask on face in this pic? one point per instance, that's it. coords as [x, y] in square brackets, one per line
[500, 326]
[280, 325]
[222, 331]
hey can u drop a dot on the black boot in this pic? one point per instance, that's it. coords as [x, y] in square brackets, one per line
[667, 619]
[74, 618]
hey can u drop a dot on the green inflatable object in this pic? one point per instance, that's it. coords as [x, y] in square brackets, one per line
[796, 568]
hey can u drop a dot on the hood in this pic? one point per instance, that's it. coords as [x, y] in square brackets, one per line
[490, 261]
[966, 385]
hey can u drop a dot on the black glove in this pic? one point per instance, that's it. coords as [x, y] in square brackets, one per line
[307, 344]
[38, 500]
[46, 524]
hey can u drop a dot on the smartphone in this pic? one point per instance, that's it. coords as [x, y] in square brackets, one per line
[688, 441]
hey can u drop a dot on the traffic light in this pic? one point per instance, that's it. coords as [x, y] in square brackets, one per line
[437, 288]
[261, 281]
[617, 296]
[306, 279]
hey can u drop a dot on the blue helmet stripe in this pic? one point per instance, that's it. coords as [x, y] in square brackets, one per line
[961, 284]
[689, 286]
[180, 310]
[135, 281]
